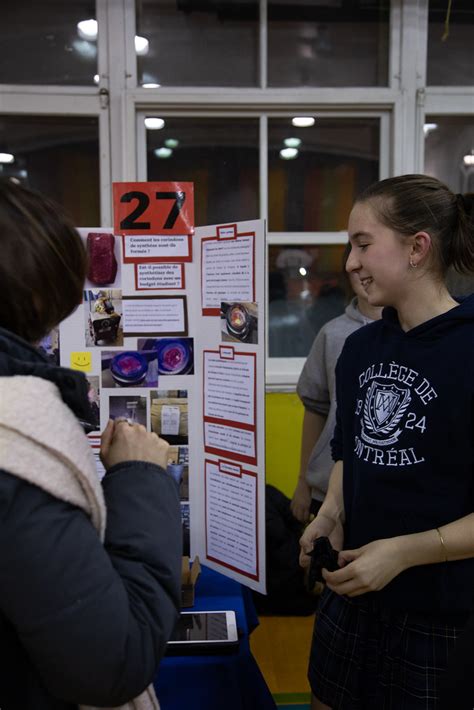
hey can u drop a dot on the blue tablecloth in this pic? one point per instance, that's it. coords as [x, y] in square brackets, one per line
[225, 682]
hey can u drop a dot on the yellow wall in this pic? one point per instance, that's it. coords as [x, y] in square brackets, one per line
[284, 419]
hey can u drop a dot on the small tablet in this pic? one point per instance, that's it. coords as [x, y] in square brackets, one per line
[204, 632]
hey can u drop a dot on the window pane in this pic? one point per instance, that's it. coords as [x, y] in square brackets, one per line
[450, 61]
[314, 191]
[219, 155]
[57, 156]
[40, 43]
[448, 140]
[328, 42]
[198, 43]
[307, 287]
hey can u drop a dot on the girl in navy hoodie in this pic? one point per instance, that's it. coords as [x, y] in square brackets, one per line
[400, 502]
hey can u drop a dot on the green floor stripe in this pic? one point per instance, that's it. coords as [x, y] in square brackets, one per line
[291, 698]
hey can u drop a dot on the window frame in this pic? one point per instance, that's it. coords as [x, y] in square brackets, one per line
[118, 102]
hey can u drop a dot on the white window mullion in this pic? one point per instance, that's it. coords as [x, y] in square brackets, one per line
[394, 62]
[141, 147]
[263, 45]
[104, 123]
[385, 150]
[122, 109]
[263, 166]
[413, 69]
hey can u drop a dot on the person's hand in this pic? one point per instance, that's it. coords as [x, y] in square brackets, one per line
[367, 569]
[301, 501]
[322, 526]
[121, 441]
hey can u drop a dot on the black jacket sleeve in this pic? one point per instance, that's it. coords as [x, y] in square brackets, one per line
[93, 619]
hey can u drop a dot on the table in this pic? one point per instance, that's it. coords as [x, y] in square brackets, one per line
[211, 682]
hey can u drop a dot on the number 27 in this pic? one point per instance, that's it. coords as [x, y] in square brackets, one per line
[130, 222]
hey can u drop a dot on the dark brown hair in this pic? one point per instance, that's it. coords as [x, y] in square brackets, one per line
[43, 262]
[418, 203]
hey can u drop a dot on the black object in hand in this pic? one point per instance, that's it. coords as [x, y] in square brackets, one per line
[322, 556]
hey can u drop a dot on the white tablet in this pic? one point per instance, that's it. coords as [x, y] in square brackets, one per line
[204, 632]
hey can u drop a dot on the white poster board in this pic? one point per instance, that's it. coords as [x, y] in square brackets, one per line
[180, 348]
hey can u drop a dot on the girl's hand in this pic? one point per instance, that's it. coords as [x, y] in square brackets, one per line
[122, 442]
[321, 526]
[367, 569]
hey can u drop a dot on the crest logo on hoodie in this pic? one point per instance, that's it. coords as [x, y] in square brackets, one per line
[391, 415]
[383, 410]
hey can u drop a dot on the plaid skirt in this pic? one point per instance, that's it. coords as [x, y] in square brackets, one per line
[366, 658]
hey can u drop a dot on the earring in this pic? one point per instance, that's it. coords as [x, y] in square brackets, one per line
[413, 266]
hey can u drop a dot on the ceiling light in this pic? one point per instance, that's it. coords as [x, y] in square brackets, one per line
[469, 159]
[292, 142]
[171, 143]
[87, 29]
[153, 123]
[429, 128]
[151, 85]
[303, 121]
[141, 45]
[288, 153]
[163, 152]
[303, 271]
[85, 49]
[7, 158]
[96, 78]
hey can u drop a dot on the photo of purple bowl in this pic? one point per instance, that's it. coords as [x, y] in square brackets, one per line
[175, 356]
[129, 368]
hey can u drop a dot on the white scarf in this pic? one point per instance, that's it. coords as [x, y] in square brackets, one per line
[59, 460]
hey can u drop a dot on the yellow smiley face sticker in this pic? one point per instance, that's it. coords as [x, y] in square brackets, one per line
[81, 361]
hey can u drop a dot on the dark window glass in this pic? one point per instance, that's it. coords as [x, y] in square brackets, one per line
[449, 156]
[220, 155]
[59, 156]
[40, 42]
[314, 191]
[450, 43]
[198, 43]
[328, 42]
[449, 150]
[306, 287]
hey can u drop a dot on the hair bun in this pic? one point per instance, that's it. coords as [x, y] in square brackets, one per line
[465, 203]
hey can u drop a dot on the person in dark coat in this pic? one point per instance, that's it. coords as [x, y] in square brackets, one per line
[90, 573]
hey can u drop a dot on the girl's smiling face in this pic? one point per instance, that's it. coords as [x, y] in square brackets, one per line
[379, 256]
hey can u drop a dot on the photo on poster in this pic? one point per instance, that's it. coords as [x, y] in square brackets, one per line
[169, 415]
[132, 408]
[49, 346]
[178, 467]
[186, 527]
[184, 484]
[239, 322]
[175, 355]
[101, 250]
[93, 394]
[103, 317]
[129, 368]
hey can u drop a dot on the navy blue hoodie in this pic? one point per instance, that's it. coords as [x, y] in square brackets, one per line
[405, 432]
